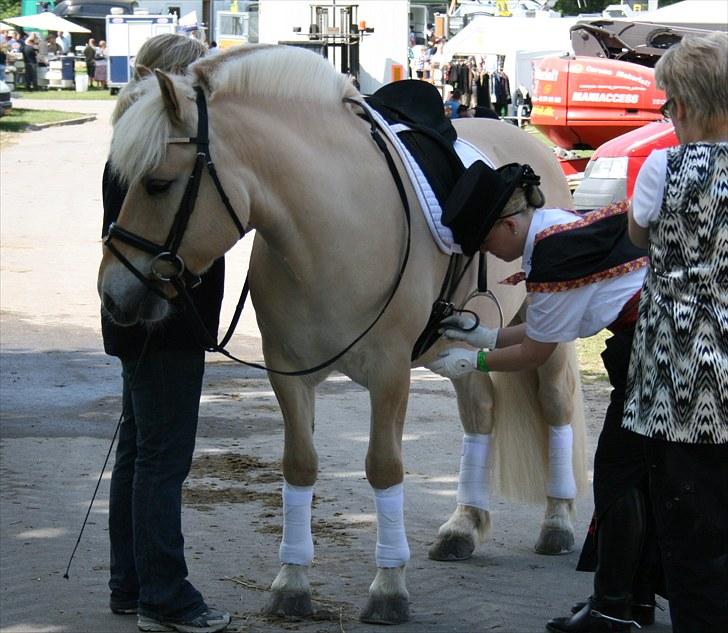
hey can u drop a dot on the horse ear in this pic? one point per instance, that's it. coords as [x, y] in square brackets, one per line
[169, 96]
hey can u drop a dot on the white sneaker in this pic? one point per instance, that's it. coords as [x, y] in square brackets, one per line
[208, 621]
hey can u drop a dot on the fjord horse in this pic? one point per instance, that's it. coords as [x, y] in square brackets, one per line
[294, 162]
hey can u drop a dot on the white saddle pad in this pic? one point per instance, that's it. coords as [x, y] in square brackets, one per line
[429, 204]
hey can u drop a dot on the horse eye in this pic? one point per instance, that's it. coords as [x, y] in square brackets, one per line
[157, 186]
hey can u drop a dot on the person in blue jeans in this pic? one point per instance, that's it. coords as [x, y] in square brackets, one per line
[162, 371]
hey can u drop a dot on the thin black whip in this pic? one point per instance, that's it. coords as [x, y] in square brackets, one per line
[106, 461]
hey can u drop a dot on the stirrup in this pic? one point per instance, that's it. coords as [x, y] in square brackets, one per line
[599, 614]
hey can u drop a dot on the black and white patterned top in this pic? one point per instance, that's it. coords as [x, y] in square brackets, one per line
[677, 389]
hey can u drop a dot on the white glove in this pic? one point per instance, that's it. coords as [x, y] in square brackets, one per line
[481, 336]
[455, 362]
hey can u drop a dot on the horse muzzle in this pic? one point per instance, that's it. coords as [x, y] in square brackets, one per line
[129, 301]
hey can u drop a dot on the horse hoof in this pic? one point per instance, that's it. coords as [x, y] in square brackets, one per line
[454, 547]
[386, 610]
[552, 541]
[289, 604]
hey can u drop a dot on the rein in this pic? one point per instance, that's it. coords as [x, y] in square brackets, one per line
[168, 266]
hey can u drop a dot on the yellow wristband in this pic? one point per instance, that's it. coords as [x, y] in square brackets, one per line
[482, 363]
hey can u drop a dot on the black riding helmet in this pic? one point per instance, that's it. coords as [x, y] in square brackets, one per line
[479, 197]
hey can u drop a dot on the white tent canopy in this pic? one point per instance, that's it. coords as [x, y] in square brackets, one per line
[497, 35]
[704, 14]
[521, 40]
[47, 22]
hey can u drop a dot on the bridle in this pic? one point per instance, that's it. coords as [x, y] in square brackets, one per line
[168, 266]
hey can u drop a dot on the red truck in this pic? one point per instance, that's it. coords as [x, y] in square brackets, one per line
[605, 98]
[612, 170]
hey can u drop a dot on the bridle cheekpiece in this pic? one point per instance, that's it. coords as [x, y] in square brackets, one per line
[167, 265]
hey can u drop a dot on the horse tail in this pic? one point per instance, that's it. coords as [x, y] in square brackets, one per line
[520, 449]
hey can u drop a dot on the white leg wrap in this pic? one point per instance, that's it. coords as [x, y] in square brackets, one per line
[392, 548]
[561, 484]
[297, 543]
[474, 479]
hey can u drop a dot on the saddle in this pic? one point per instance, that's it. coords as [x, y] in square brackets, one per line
[426, 132]
[417, 108]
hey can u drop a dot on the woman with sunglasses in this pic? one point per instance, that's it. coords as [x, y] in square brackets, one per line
[582, 275]
[677, 396]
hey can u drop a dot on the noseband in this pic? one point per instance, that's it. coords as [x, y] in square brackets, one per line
[167, 265]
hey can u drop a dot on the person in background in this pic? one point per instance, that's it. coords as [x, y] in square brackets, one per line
[64, 40]
[101, 65]
[677, 391]
[452, 104]
[213, 49]
[54, 48]
[89, 54]
[162, 372]
[597, 287]
[3, 59]
[14, 42]
[30, 59]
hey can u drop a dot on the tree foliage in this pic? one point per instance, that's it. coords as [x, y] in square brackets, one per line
[9, 8]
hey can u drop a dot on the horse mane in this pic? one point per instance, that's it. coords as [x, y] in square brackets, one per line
[284, 73]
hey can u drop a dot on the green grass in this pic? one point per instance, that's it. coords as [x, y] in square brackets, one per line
[18, 119]
[93, 94]
[581, 153]
[590, 360]
[539, 135]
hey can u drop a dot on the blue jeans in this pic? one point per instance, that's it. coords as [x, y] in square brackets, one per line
[153, 458]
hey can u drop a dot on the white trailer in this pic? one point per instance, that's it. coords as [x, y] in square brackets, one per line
[124, 36]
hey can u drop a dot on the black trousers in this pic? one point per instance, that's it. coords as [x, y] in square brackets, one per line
[31, 76]
[619, 469]
[689, 490]
[619, 462]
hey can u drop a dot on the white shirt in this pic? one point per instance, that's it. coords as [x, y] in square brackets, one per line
[556, 317]
[649, 188]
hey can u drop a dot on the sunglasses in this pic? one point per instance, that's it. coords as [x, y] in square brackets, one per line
[666, 109]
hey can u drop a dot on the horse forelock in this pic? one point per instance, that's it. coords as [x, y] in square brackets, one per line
[139, 142]
[284, 73]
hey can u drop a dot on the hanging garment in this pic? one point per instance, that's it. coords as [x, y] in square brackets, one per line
[482, 89]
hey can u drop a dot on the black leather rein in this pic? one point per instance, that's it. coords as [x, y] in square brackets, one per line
[168, 266]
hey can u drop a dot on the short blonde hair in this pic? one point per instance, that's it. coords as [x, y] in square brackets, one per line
[523, 199]
[695, 72]
[169, 52]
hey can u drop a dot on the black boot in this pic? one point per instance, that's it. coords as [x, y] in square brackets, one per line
[596, 616]
[619, 541]
[643, 605]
